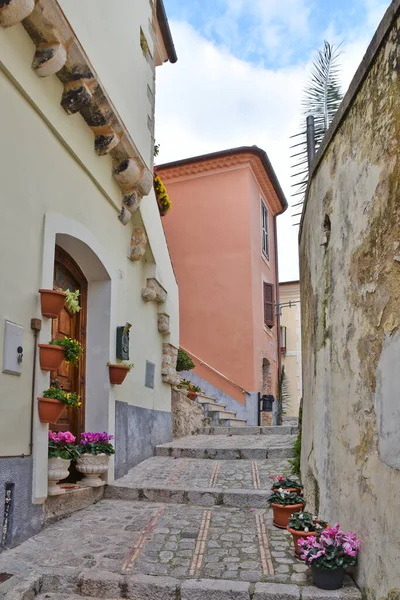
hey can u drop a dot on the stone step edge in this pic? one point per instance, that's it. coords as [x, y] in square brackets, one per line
[229, 497]
[250, 430]
[226, 453]
[90, 583]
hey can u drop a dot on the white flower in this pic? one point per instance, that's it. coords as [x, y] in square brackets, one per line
[301, 516]
[306, 529]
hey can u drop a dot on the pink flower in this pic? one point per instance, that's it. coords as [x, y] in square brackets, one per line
[279, 478]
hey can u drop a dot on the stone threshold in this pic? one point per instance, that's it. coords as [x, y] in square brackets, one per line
[234, 498]
[101, 584]
[74, 498]
[226, 453]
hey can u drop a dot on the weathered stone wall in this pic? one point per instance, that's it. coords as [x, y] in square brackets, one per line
[187, 416]
[350, 299]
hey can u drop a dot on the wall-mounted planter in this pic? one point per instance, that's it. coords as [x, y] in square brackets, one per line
[50, 410]
[192, 395]
[51, 357]
[51, 303]
[118, 373]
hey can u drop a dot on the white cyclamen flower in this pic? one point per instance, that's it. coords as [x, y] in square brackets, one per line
[306, 529]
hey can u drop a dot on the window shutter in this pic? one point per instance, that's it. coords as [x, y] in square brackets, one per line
[269, 304]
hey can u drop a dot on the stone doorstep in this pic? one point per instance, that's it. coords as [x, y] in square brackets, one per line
[89, 583]
[76, 498]
[234, 498]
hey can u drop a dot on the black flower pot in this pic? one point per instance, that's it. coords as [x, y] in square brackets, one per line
[327, 579]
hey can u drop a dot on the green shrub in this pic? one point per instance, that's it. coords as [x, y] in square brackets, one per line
[184, 362]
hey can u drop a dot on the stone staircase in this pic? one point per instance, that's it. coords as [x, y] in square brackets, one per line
[218, 414]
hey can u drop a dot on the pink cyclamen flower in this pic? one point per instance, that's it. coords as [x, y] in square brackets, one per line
[279, 478]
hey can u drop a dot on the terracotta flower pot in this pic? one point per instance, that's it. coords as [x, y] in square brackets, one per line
[300, 534]
[282, 513]
[50, 410]
[192, 395]
[118, 373]
[51, 357]
[51, 303]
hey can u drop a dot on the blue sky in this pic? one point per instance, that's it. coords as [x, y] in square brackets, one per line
[242, 66]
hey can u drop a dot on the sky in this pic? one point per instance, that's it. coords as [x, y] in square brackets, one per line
[242, 67]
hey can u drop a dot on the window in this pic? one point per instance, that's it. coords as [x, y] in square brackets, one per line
[268, 304]
[264, 230]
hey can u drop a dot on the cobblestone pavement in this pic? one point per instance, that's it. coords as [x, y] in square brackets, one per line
[156, 539]
[196, 473]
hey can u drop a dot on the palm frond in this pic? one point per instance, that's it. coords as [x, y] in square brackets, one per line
[322, 97]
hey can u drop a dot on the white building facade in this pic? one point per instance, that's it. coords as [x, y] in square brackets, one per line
[77, 89]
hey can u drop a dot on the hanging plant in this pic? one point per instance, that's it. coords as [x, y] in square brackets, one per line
[72, 300]
[163, 200]
[72, 348]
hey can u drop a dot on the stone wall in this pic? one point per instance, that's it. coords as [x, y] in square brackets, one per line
[350, 290]
[187, 416]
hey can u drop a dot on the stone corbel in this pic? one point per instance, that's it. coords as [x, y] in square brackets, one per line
[154, 292]
[132, 200]
[163, 323]
[15, 11]
[168, 367]
[138, 244]
[127, 173]
[49, 59]
[75, 96]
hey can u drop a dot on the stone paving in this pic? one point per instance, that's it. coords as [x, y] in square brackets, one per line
[125, 548]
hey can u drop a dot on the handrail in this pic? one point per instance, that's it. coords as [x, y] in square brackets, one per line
[202, 362]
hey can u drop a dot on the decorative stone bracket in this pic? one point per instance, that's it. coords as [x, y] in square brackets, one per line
[154, 292]
[163, 323]
[58, 51]
[168, 368]
[138, 244]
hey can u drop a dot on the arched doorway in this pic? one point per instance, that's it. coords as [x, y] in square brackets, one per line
[68, 276]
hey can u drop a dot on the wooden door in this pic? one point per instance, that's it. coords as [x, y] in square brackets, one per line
[68, 276]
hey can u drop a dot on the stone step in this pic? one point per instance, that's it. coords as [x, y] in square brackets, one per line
[227, 423]
[250, 453]
[220, 413]
[135, 587]
[250, 430]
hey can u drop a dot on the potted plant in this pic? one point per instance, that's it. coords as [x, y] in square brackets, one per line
[194, 391]
[283, 504]
[50, 356]
[72, 300]
[163, 200]
[95, 450]
[53, 403]
[285, 483]
[62, 450]
[119, 371]
[51, 302]
[302, 525]
[73, 350]
[329, 554]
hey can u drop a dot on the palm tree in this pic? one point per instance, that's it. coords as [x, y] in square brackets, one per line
[322, 97]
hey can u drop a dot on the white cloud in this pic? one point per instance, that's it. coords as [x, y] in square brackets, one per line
[210, 101]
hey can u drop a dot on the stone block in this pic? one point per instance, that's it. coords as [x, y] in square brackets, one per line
[276, 591]
[138, 243]
[212, 589]
[59, 580]
[15, 11]
[49, 59]
[348, 592]
[147, 587]
[98, 584]
[127, 173]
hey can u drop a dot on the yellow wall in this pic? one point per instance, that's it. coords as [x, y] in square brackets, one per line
[291, 359]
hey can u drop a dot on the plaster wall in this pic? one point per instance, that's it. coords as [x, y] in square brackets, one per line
[350, 289]
[291, 359]
[54, 189]
[208, 233]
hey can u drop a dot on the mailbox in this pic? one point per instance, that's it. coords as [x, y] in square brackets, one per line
[267, 402]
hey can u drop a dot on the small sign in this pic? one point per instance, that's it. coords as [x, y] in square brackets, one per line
[122, 343]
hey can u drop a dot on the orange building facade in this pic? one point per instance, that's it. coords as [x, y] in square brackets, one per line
[221, 233]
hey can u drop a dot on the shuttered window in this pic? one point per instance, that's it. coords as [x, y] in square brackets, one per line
[264, 230]
[269, 304]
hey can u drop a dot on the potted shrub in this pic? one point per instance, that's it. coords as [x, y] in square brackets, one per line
[119, 371]
[302, 525]
[95, 450]
[53, 403]
[73, 350]
[285, 483]
[62, 450]
[284, 503]
[184, 362]
[329, 554]
[51, 302]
